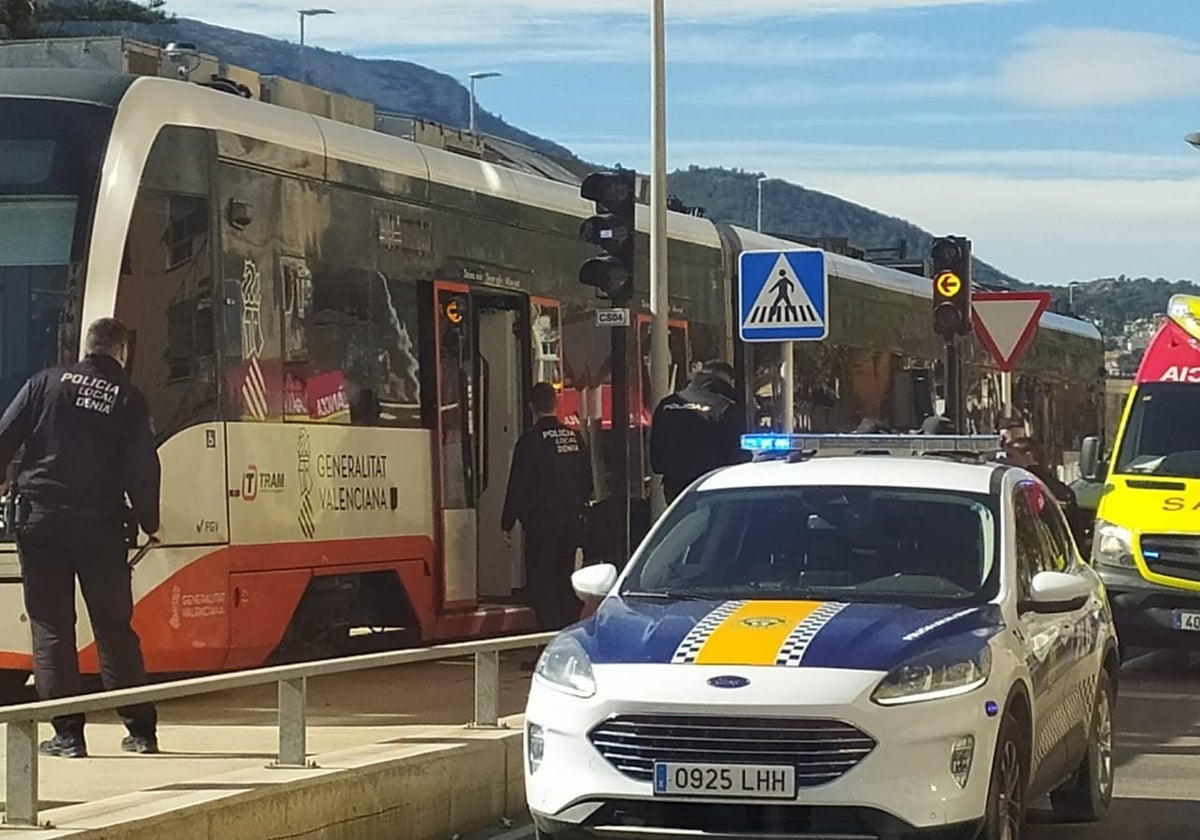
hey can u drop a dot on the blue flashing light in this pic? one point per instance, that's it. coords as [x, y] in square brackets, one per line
[992, 708]
[767, 443]
[1150, 554]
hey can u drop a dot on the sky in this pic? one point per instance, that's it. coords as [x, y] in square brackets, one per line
[1050, 132]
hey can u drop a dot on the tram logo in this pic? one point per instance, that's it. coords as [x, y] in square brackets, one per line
[255, 482]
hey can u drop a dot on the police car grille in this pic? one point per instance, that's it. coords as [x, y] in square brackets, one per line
[820, 750]
[1175, 556]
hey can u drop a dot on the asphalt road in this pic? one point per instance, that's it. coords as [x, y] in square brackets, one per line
[1158, 761]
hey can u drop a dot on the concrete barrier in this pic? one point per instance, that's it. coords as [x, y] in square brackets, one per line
[430, 784]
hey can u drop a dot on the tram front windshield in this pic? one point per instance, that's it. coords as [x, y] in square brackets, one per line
[50, 157]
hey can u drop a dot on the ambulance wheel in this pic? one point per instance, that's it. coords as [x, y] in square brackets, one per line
[13, 688]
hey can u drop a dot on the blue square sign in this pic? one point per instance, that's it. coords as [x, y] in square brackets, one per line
[783, 296]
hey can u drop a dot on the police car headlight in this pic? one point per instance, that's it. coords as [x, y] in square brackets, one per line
[934, 676]
[1112, 545]
[564, 665]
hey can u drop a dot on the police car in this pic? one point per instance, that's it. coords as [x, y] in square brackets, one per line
[856, 646]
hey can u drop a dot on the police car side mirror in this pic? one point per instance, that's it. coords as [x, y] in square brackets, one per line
[1054, 592]
[1089, 458]
[592, 583]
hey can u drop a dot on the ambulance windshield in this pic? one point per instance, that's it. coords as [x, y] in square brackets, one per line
[1162, 435]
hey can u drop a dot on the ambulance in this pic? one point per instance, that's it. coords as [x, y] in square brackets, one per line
[1147, 537]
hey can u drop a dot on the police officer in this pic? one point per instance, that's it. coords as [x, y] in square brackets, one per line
[88, 445]
[697, 429]
[549, 486]
[1025, 452]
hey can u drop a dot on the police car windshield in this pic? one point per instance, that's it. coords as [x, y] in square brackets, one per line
[1162, 436]
[855, 544]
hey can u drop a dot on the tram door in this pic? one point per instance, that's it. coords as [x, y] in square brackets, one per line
[480, 416]
[502, 416]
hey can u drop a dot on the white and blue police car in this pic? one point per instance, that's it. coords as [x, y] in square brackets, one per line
[833, 647]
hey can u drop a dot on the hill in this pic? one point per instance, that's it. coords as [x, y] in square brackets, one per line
[731, 196]
[1120, 304]
[398, 87]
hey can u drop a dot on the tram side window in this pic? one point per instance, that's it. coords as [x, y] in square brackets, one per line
[351, 346]
[165, 295]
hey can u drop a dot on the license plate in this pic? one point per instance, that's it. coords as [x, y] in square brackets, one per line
[1187, 620]
[744, 781]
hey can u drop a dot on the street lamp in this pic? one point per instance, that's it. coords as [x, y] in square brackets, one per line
[491, 74]
[762, 181]
[1194, 139]
[1071, 294]
[303, 14]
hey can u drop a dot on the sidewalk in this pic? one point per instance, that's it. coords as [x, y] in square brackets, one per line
[221, 734]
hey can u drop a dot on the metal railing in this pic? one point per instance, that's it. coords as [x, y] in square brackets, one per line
[21, 721]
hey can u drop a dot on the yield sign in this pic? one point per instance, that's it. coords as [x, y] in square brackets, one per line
[1006, 322]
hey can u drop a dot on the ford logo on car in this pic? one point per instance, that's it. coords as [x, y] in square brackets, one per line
[728, 681]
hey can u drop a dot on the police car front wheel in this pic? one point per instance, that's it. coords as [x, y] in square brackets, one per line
[1087, 795]
[1005, 816]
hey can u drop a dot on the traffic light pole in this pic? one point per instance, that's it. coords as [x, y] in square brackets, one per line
[954, 401]
[619, 491]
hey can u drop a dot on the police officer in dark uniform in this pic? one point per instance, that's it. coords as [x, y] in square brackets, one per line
[549, 486]
[1025, 452]
[697, 429]
[88, 444]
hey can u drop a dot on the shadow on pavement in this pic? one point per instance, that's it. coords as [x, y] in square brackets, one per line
[1129, 819]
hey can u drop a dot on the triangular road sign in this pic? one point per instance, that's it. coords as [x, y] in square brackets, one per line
[1006, 322]
[783, 301]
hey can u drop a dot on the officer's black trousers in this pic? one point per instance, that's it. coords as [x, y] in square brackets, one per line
[550, 545]
[55, 547]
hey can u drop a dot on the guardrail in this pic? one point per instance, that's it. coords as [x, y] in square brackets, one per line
[21, 721]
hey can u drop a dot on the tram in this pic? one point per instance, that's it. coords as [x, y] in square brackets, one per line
[335, 330]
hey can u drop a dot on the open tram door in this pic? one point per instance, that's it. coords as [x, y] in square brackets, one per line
[482, 383]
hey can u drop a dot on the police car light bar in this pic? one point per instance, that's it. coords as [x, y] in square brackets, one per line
[850, 443]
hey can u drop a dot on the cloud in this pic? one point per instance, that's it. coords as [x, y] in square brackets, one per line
[886, 160]
[1042, 216]
[791, 92]
[560, 30]
[1089, 68]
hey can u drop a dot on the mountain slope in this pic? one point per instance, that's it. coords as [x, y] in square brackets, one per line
[393, 86]
[731, 195]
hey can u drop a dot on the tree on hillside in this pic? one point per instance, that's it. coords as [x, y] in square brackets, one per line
[18, 19]
[30, 18]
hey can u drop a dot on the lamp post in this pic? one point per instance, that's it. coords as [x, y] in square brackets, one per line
[761, 181]
[303, 14]
[490, 74]
[1194, 139]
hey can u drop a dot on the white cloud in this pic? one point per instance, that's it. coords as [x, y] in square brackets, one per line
[883, 160]
[1085, 68]
[1085, 214]
[556, 30]
[791, 92]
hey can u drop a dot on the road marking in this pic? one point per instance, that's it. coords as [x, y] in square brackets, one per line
[1156, 695]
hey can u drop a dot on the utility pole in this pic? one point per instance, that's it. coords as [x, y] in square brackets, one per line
[660, 298]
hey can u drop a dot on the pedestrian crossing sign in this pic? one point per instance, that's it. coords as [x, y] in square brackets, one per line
[783, 296]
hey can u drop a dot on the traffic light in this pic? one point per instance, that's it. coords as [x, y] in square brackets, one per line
[612, 229]
[951, 286]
